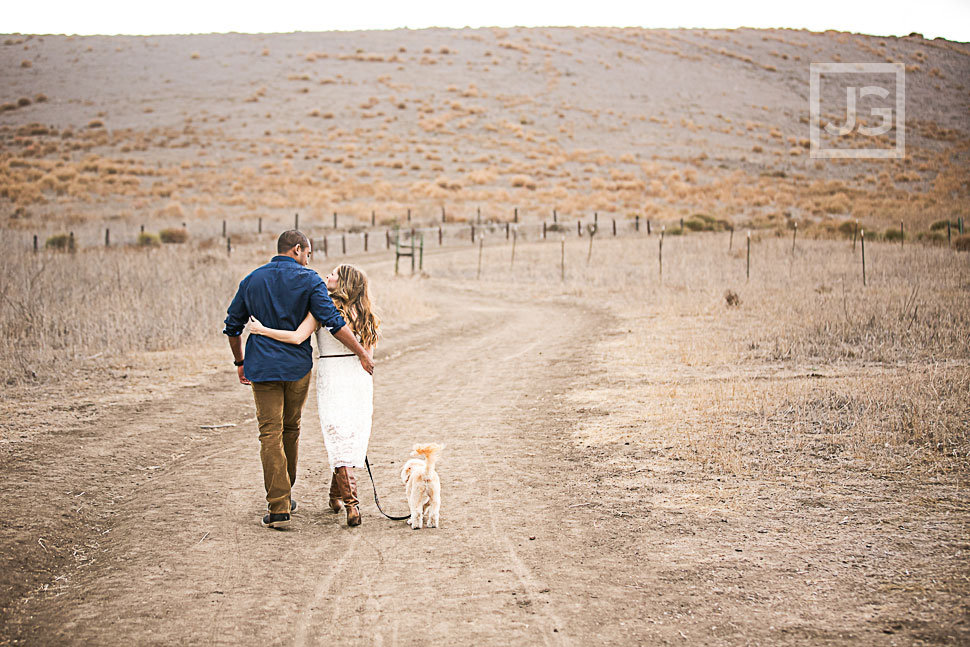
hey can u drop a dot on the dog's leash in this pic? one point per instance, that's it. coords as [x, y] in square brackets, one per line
[378, 501]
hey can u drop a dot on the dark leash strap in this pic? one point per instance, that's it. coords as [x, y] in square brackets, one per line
[378, 501]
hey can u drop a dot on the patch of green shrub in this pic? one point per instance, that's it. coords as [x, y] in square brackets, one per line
[176, 235]
[704, 222]
[148, 239]
[893, 234]
[848, 227]
[932, 237]
[59, 242]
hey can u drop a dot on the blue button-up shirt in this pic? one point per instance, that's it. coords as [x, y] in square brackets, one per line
[280, 294]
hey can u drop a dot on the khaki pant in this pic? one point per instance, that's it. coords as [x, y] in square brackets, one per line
[279, 407]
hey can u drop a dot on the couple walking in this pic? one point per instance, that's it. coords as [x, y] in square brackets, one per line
[284, 302]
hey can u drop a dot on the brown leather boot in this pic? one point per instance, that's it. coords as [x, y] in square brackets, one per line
[348, 492]
[336, 502]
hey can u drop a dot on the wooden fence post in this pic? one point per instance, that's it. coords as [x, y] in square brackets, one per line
[223, 228]
[373, 218]
[409, 215]
[107, 237]
[902, 233]
[579, 228]
[543, 230]
[366, 236]
[440, 235]
[70, 243]
[35, 243]
[387, 238]
[343, 244]
[515, 237]
[516, 214]
[554, 216]
[793, 236]
[747, 271]
[444, 218]
[506, 231]
[259, 229]
[326, 251]
[296, 221]
[731, 240]
[228, 246]
[562, 258]
[661, 252]
[862, 238]
[636, 223]
[948, 231]
[473, 233]
[648, 226]
[481, 246]
[614, 227]
[334, 219]
[855, 233]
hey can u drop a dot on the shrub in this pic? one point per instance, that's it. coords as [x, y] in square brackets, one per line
[939, 225]
[148, 239]
[932, 237]
[58, 242]
[962, 243]
[848, 227]
[704, 222]
[176, 235]
[523, 181]
[893, 234]
[23, 101]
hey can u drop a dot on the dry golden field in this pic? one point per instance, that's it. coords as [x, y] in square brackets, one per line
[732, 450]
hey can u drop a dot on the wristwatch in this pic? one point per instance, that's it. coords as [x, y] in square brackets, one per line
[238, 362]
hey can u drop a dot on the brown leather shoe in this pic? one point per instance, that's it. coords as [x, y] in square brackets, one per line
[336, 503]
[347, 485]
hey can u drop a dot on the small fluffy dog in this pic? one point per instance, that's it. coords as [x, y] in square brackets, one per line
[423, 486]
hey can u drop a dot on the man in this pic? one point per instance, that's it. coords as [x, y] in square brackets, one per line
[279, 294]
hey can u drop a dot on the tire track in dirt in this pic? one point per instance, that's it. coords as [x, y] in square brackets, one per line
[461, 404]
[188, 560]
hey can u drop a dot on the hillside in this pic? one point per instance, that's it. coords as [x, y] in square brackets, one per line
[661, 123]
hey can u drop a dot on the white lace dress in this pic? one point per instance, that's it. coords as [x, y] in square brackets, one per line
[345, 400]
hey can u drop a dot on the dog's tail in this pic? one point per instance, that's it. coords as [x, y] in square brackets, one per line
[430, 454]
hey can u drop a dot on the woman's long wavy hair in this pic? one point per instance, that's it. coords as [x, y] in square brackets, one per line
[353, 300]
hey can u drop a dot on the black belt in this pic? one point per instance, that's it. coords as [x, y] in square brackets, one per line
[325, 356]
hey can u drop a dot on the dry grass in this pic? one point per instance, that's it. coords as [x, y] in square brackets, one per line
[59, 309]
[810, 374]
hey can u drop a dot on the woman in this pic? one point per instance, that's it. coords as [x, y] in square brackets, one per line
[345, 391]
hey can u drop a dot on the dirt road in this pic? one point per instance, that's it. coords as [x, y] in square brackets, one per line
[149, 523]
[184, 560]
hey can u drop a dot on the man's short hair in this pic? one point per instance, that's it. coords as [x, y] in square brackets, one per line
[290, 239]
